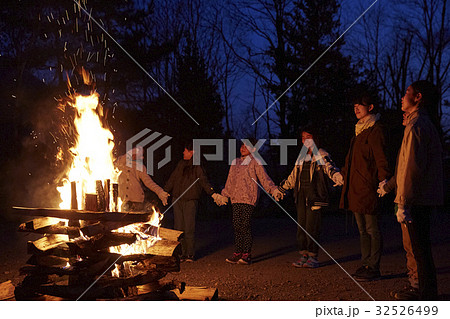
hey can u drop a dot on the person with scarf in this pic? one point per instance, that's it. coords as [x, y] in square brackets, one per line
[366, 165]
[419, 187]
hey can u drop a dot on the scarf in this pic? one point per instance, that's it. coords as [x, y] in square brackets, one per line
[366, 122]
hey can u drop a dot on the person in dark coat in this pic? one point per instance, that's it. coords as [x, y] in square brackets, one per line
[366, 165]
[185, 185]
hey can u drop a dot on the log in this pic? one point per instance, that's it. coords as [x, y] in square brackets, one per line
[131, 217]
[50, 229]
[6, 290]
[101, 205]
[61, 251]
[90, 202]
[49, 261]
[73, 197]
[170, 234]
[107, 192]
[198, 293]
[43, 222]
[46, 243]
[115, 193]
[165, 248]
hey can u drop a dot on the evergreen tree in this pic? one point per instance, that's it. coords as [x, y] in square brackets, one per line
[320, 97]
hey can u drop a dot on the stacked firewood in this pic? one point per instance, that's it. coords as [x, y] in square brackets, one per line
[73, 260]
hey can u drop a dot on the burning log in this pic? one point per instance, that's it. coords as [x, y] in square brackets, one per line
[130, 217]
[50, 229]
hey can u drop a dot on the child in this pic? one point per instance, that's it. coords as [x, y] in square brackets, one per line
[186, 193]
[242, 188]
[308, 179]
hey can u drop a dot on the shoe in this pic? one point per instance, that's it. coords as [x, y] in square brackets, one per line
[234, 258]
[406, 294]
[299, 263]
[360, 270]
[245, 259]
[312, 262]
[182, 259]
[189, 258]
[368, 275]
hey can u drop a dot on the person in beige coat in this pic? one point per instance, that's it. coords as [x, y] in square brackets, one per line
[133, 172]
[419, 181]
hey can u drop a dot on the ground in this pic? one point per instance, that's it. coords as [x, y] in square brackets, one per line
[272, 276]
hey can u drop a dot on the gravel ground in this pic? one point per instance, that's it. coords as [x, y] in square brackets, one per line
[272, 276]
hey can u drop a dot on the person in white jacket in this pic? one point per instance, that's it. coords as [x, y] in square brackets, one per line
[133, 172]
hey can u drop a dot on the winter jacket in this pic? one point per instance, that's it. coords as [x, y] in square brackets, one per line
[130, 179]
[241, 186]
[365, 166]
[419, 172]
[181, 181]
[321, 166]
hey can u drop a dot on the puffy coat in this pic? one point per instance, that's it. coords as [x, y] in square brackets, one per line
[321, 165]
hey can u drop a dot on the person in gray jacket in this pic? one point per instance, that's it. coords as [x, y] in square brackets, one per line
[133, 173]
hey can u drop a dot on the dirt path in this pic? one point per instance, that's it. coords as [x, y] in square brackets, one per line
[271, 276]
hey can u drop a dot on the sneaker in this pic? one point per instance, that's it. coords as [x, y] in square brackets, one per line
[189, 258]
[245, 259]
[368, 275]
[406, 294]
[234, 258]
[360, 270]
[299, 263]
[312, 262]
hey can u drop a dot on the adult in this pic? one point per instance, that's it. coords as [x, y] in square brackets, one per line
[419, 180]
[366, 165]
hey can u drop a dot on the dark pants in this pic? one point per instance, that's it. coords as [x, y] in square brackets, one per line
[310, 221]
[184, 220]
[242, 217]
[419, 234]
[370, 240]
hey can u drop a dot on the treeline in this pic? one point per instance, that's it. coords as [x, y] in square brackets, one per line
[260, 68]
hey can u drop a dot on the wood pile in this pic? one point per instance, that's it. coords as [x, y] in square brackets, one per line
[73, 260]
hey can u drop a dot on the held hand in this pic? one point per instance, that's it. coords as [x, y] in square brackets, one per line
[219, 199]
[277, 194]
[338, 179]
[163, 196]
[404, 215]
[381, 191]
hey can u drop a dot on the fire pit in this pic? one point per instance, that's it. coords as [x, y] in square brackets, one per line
[91, 250]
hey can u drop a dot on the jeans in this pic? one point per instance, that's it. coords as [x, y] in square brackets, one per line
[184, 220]
[370, 240]
[310, 222]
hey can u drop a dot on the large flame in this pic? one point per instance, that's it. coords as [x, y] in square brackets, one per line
[92, 154]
